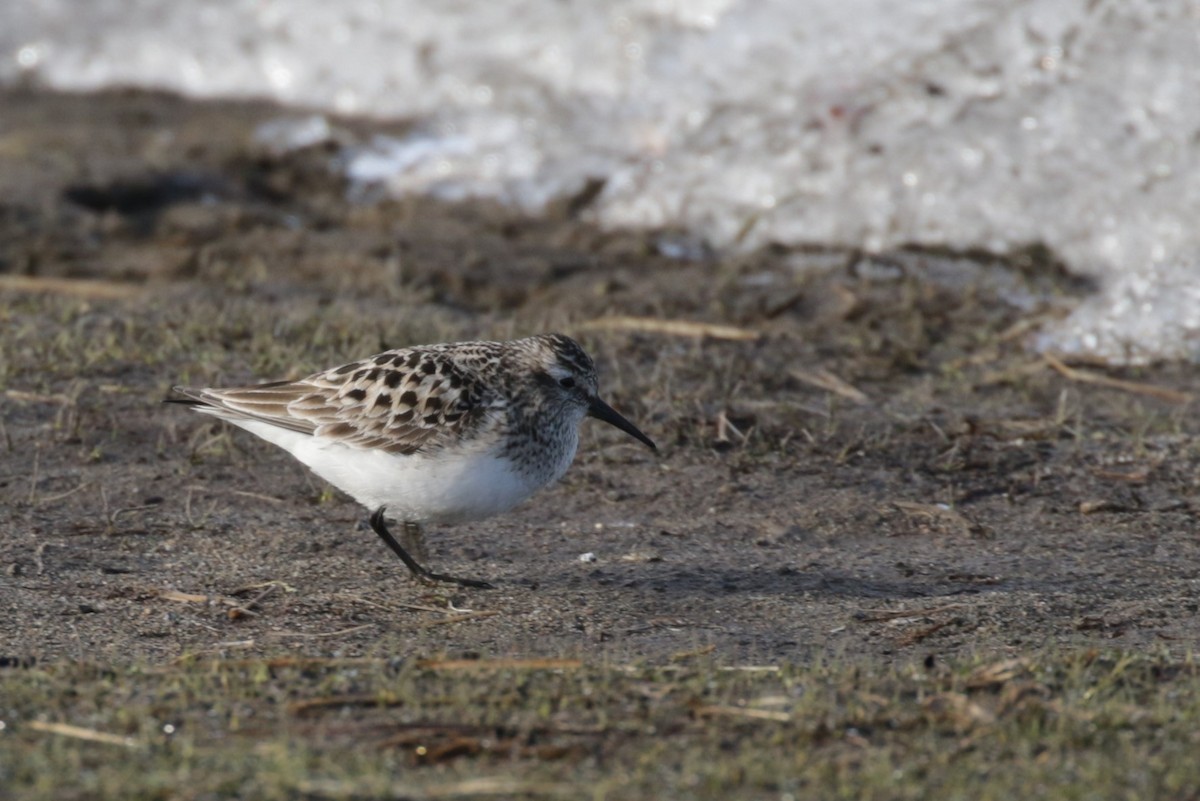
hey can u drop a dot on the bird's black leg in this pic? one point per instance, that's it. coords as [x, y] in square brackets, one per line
[380, 528]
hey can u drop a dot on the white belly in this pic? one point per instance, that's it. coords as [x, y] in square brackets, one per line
[449, 487]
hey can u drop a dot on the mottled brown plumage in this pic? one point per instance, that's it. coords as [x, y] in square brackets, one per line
[401, 401]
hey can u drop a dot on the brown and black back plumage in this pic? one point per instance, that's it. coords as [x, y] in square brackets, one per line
[400, 401]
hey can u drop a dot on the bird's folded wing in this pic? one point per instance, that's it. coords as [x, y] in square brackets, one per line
[395, 410]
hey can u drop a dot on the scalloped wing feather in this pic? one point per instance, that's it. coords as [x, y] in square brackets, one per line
[401, 402]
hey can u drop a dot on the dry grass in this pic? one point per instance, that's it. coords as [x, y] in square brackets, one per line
[1049, 725]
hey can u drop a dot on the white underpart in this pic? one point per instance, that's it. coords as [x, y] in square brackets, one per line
[466, 483]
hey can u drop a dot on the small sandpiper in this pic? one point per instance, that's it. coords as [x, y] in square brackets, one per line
[430, 434]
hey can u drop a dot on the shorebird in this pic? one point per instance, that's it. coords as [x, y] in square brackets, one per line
[440, 433]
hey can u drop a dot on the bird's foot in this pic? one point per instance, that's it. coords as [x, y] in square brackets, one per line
[435, 578]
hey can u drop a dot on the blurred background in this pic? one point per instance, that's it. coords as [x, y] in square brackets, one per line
[959, 124]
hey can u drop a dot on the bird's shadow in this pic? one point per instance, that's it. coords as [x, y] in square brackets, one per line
[717, 580]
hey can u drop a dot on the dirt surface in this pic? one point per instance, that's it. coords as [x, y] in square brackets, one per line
[879, 470]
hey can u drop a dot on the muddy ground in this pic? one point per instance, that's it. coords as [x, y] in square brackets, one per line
[874, 468]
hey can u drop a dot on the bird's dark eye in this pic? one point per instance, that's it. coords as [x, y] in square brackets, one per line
[567, 383]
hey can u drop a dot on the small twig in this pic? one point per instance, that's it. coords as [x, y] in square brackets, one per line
[725, 427]
[880, 615]
[678, 328]
[33, 478]
[459, 618]
[272, 583]
[499, 787]
[738, 712]
[187, 507]
[750, 668]
[36, 397]
[80, 288]
[218, 647]
[221, 646]
[182, 597]
[823, 379]
[112, 518]
[1139, 475]
[495, 787]
[315, 635]
[67, 494]
[236, 608]
[441, 610]
[1097, 379]
[1103, 505]
[258, 496]
[277, 663]
[80, 733]
[257, 599]
[391, 608]
[499, 664]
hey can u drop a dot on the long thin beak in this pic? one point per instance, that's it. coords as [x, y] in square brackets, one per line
[602, 411]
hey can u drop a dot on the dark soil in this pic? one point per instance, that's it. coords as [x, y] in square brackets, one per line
[954, 495]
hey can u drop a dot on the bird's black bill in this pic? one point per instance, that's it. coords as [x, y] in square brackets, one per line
[602, 411]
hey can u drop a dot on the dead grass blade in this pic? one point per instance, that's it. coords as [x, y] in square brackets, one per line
[725, 428]
[273, 584]
[714, 711]
[248, 609]
[62, 495]
[258, 496]
[881, 615]
[320, 634]
[35, 397]
[1137, 475]
[1101, 380]
[182, 597]
[1016, 429]
[498, 786]
[823, 379]
[74, 287]
[284, 662]
[80, 733]
[193, 656]
[1103, 505]
[459, 618]
[485, 786]
[500, 664]
[676, 328]
[237, 609]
